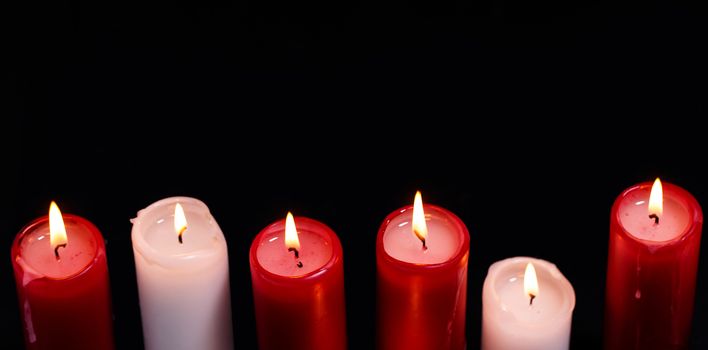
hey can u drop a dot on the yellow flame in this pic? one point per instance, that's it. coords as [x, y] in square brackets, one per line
[530, 281]
[656, 199]
[57, 231]
[420, 228]
[180, 220]
[291, 238]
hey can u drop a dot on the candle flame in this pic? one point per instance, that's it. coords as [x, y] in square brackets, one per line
[420, 228]
[656, 199]
[291, 238]
[57, 231]
[530, 281]
[180, 220]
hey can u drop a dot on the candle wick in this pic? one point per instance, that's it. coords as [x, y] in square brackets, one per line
[531, 299]
[655, 217]
[181, 231]
[56, 250]
[421, 237]
[297, 256]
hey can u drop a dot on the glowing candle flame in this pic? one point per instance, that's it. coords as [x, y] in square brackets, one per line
[530, 282]
[656, 200]
[180, 221]
[291, 238]
[420, 228]
[57, 231]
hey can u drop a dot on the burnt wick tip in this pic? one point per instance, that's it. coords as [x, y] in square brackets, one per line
[56, 250]
[179, 236]
[655, 217]
[297, 256]
[531, 299]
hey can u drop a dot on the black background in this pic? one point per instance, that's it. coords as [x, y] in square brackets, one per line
[526, 118]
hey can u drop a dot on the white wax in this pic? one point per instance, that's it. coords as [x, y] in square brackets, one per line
[443, 242]
[510, 323]
[634, 216]
[185, 300]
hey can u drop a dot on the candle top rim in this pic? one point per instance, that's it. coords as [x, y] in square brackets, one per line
[146, 249]
[675, 192]
[461, 251]
[301, 221]
[68, 218]
[495, 269]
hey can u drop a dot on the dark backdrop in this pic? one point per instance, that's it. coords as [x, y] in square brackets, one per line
[526, 118]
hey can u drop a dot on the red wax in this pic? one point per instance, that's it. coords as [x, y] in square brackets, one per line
[64, 304]
[651, 273]
[422, 294]
[299, 308]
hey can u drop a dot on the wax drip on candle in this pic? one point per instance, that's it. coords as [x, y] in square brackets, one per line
[656, 201]
[57, 230]
[292, 241]
[180, 222]
[420, 228]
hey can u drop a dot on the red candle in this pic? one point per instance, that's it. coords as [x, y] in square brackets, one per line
[421, 259]
[62, 284]
[298, 286]
[651, 274]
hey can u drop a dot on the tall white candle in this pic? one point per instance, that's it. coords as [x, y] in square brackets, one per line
[519, 318]
[185, 299]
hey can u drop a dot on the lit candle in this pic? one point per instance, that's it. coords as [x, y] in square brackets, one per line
[62, 283]
[182, 266]
[527, 304]
[655, 236]
[298, 286]
[421, 259]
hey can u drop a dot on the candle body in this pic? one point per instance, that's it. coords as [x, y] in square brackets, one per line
[185, 299]
[421, 296]
[63, 304]
[651, 276]
[299, 308]
[511, 322]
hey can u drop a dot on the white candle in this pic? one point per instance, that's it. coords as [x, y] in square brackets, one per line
[514, 318]
[185, 299]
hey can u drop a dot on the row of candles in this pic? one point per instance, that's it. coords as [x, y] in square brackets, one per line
[298, 281]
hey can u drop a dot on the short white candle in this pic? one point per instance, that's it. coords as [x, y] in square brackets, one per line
[513, 319]
[185, 300]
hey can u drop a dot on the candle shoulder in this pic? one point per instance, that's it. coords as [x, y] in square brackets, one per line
[683, 217]
[447, 243]
[320, 251]
[156, 242]
[32, 254]
[503, 290]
